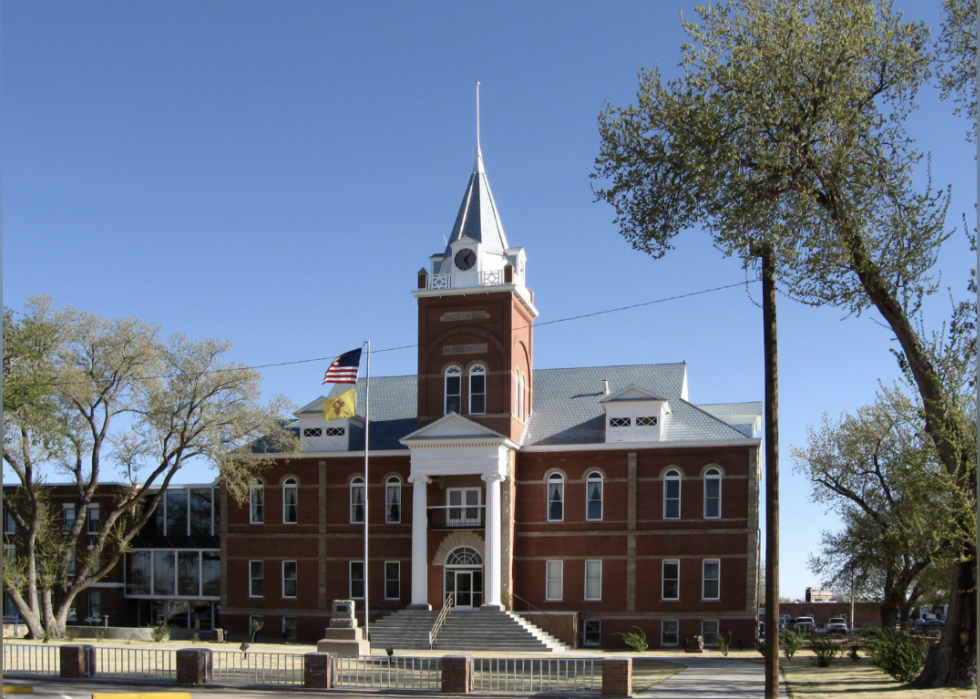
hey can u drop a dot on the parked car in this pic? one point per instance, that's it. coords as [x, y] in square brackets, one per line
[929, 626]
[803, 624]
[837, 625]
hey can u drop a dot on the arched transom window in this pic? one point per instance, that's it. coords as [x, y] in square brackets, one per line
[556, 497]
[712, 494]
[464, 556]
[593, 496]
[672, 495]
[290, 501]
[393, 500]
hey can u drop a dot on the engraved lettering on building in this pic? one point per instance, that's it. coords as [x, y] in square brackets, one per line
[465, 349]
[464, 315]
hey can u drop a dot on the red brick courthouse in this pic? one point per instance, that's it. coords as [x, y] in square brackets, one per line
[601, 495]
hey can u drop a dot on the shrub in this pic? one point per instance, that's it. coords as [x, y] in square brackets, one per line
[724, 645]
[195, 637]
[161, 632]
[792, 642]
[71, 633]
[100, 633]
[636, 640]
[825, 649]
[896, 653]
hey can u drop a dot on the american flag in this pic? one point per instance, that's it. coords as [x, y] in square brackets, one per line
[344, 368]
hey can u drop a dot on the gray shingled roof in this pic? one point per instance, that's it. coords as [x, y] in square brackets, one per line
[566, 406]
[724, 410]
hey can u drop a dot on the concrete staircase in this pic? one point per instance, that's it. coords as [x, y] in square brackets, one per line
[480, 629]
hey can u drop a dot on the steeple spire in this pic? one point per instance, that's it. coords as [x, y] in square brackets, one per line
[478, 164]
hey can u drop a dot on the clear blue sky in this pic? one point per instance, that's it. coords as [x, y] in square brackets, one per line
[275, 173]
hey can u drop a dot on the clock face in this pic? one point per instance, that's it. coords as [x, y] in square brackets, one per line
[465, 259]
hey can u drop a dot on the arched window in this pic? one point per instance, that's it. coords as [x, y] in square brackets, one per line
[556, 497]
[290, 501]
[357, 501]
[672, 495]
[478, 390]
[454, 380]
[712, 494]
[256, 501]
[593, 496]
[519, 392]
[393, 500]
[464, 556]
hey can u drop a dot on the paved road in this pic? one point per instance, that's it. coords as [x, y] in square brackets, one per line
[713, 678]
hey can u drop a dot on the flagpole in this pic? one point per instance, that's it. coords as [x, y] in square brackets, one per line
[367, 482]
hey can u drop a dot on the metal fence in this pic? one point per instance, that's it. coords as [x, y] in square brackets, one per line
[235, 667]
[537, 675]
[135, 663]
[396, 672]
[31, 659]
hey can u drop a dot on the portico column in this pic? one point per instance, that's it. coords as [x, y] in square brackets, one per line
[491, 558]
[420, 543]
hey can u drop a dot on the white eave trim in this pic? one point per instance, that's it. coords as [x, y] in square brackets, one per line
[334, 454]
[473, 290]
[633, 446]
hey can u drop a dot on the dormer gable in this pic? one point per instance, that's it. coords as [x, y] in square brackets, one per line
[634, 414]
[316, 434]
[450, 428]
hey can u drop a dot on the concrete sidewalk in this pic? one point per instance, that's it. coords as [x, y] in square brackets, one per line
[713, 678]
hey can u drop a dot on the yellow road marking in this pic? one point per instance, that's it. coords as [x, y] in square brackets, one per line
[17, 689]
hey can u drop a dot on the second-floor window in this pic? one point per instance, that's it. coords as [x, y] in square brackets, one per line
[393, 500]
[357, 501]
[711, 578]
[671, 580]
[672, 495]
[256, 583]
[593, 496]
[68, 517]
[289, 578]
[712, 494]
[454, 384]
[556, 497]
[256, 500]
[290, 501]
[92, 523]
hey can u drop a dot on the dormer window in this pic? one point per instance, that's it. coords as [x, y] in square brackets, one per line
[454, 381]
[634, 414]
[334, 432]
[620, 421]
[310, 432]
[650, 421]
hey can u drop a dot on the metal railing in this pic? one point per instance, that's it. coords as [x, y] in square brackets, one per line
[236, 667]
[456, 516]
[570, 631]
[494, 277]
[135, 663]
[395, 672]
[441, 619]
[27, 659]
[537, 675]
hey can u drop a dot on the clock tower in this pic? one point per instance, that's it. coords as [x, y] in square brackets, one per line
[476, 318]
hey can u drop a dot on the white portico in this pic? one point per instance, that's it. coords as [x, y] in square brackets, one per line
[457, 446]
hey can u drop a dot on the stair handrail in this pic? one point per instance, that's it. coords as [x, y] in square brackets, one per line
[551, 618]
[441, 619]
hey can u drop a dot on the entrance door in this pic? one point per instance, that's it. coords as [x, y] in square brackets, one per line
[464, 578]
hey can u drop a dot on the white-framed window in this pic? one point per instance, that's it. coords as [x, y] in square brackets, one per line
[556, 497]
[711, 578]
[356, 587]
[335, 431]
[478, 389]
[256, 500]
[593, 580]
[454, 385]
[95, 605]
[357, 500]
[709, 632]
[592, 632]
[593, 496]
[647, 421]
[393, 500]
[289, 628]
[67, 517]
[672, 495]
[393, 582]
[256, 581]
[712, 494]
[464, 507]
[553, 581]
[311, 432]
[92, 524]
[620, 421]
[289, 578]
[668, 632]
[671, 580]
[290, 501]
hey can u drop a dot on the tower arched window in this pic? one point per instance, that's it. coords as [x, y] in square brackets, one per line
[478, 390]
[256, 502]
[357, 500]
[672, 495]
[712, 494]
[393, 500]
[593, 496]
[519, 393]
[454, 381]
[290, 501]
[556, 497]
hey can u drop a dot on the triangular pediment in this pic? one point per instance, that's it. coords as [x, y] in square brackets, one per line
[632, 393]
[314, 407]
[452, 426]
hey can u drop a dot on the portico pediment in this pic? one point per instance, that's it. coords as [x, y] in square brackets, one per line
[455, 445]
[452, 427]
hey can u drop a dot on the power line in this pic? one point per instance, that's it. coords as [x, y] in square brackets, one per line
[582, 316]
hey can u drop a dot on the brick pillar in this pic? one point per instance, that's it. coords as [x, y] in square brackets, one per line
[457, 674]
[74, 661]
[319, 671]
[617, 677]
[193, 666]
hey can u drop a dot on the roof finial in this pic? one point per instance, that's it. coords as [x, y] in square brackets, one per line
[478, 164]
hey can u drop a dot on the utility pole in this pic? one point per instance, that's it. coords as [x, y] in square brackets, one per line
[765, 251]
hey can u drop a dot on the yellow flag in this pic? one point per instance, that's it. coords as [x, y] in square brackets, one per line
[339, 406]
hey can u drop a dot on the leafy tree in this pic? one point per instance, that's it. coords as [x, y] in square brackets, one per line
[85, 394]
[785, 132]
[878, 470]
[957, 53]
